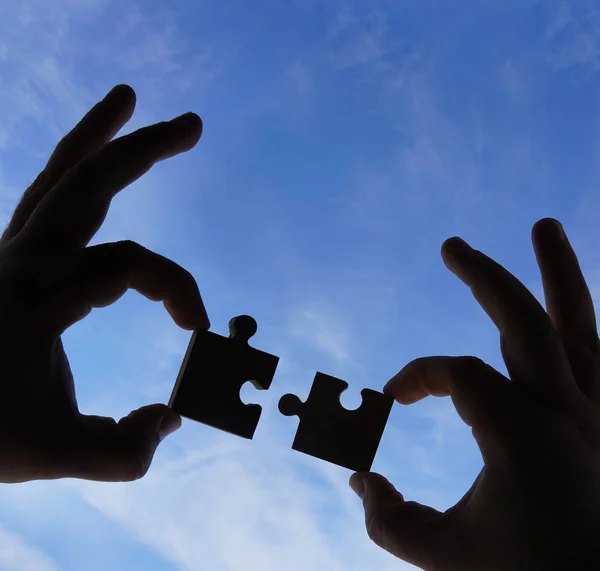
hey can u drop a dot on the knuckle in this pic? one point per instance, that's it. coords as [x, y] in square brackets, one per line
[419, 366]
[188, 278]
[374, 526]
[138, 468]
[469, 364]
[592, 343]
[129, 246]
[380, 521]
[136, 465]
[129, 251]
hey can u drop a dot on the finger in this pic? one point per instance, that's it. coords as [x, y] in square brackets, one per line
[408, 530]
[569, 303]
[72, 212]
[483, 398]
[121, 452]
[96, 128]
[532, 349]
[105, 272]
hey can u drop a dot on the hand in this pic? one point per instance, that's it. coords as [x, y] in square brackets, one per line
[536, 503]
[50, 280]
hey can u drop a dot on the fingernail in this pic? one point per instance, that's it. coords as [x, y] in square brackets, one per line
[455, 253]
[168, 424]
[557, 231]
[358, 485]
[457, 245]
[120, 93]
[187, 120]
[390, 383]
[199, 317]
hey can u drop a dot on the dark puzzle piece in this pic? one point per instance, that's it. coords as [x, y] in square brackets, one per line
[213, 371]
[328, 431]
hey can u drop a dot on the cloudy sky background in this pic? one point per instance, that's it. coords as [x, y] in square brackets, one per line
[343, 142]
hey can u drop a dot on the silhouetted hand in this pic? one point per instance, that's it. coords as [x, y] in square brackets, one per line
[50, 280]
[536, 503]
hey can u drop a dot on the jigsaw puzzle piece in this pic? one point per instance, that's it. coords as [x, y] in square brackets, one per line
[328, 431]
[213, 371]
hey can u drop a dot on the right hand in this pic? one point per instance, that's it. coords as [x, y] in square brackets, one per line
[536, 503]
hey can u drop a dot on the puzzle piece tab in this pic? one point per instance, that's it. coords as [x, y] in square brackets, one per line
[213, 371]
[328, 431]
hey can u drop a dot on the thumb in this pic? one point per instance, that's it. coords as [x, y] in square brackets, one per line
[408, 530]
[142, 430]
[123, 451]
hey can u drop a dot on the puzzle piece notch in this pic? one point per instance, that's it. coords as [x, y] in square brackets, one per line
[213, 371]
[330, 432]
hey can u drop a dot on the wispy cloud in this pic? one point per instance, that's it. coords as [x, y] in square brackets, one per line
[317, 325]
[47, 48]
[17, 555]
[574, 37]
[359, 40]
[242, 508]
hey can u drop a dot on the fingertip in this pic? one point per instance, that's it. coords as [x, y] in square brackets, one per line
[375, 479]
[194, 323]
[121, 93]
[543, 222]
[371, 486]
[453, 249]
[200, 126]
[195, 123]
[389, 387]
[196, 127]
[188, 316]
[190, 122]
[193, 136]
[548, 227]
[357, 483]
[169, 423]
[201, 320]
[403, 390]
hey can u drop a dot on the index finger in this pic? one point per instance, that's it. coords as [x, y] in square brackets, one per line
[531, 347]
[98, 126]
[73, 211]
[484, 399]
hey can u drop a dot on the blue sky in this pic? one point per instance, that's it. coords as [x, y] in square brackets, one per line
[343, 143]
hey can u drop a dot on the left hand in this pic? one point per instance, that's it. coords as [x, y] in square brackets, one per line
[49, 280]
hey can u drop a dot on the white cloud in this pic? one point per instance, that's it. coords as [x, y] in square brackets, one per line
[45, 51]
[359, 40]
[50, 46]
[422, 159]
[17, 555]
[316, 324]
[213, 501]
[574, 38]
[343, 18]
[238, 506]
[448, 426]
[562, 18]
